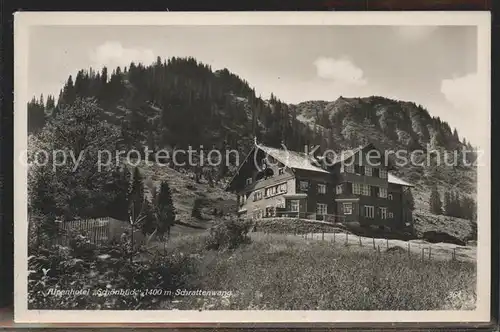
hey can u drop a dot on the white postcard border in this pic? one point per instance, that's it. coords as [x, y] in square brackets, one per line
[24, 21]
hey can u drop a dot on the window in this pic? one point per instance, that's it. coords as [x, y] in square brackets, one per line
[270, 211]
[383, 174]
[382, 192]
[347, 208]
[304, 185]
[257, 214]
[348, 168]
[365, 190]
[369, 211]
[338, 189]
[257, 195]
[391, 215]
[368, 171]
[383, 213]
[321, 188]
[357, 169]
[281, 171]
[249, 181]
[389, 196]
[356, 189]
[282, 188]
[321, 208]
[294, 206]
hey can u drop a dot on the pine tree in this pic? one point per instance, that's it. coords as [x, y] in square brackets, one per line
[119, 189]
[196, 212]
[148, 220]
[435, 202]
[136, 195]
[447, 204]
[409, 201]
[36, 115]
[50, 103]
[165, 210]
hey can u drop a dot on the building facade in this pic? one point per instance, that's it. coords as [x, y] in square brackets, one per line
[355, 186]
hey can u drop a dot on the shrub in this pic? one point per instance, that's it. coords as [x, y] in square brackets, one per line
[196, 212]
[228, 234]
[104, 268]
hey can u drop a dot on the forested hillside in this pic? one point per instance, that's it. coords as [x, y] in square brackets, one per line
[179, 102]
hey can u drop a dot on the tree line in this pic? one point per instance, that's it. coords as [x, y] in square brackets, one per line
[453, 205]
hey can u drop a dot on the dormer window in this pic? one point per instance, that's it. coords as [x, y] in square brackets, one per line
[248, 181]
[281, 171]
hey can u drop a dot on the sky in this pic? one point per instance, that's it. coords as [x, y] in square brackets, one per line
[435, 66]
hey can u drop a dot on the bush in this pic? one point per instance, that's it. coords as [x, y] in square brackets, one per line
[229, 234]
[196, 212]
[59, 268]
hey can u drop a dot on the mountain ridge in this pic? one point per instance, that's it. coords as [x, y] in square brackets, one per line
[181, 102]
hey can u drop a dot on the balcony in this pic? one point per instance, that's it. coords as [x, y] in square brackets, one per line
[331, 218]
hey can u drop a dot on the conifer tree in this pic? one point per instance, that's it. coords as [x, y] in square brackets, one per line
[136, 195]
[165, 210]
[435, 202]
[409, 201]
[447, 204]
[196, 212]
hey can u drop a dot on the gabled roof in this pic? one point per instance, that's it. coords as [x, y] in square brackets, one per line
[292, 159]
[395, 180]
[300, 160]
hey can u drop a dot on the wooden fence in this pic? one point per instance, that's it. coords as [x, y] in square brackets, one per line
[97, 231]
[418, 250]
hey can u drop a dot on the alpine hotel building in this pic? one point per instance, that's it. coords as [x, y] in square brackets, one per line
[282, 183]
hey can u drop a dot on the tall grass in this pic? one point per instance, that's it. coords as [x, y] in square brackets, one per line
[290, 273]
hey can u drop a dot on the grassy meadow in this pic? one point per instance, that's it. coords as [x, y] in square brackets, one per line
[279, 272]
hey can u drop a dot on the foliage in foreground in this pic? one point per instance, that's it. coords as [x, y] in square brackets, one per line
[279, 273]
[273, 272]
[228, 234]
[84, 267]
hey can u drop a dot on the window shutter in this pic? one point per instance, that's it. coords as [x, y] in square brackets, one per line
[376, 172]
[362, 170]
[349, 187]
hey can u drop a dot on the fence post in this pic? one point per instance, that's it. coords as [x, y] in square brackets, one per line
[387, 242]
[430, 249]
[346, 238]
[409, 249]
[378, 249]
[334, 237]
[373, 241]
[454, 254]
[360, 243]
[323, 236]
[423, 253]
